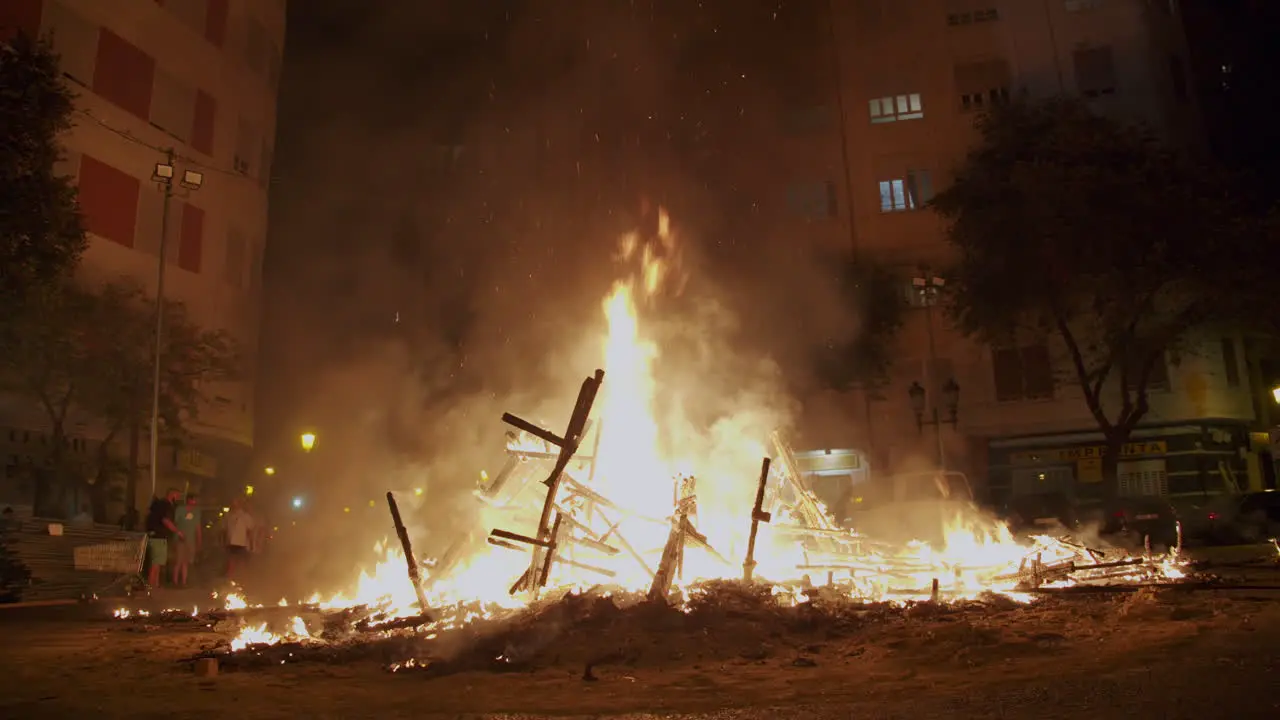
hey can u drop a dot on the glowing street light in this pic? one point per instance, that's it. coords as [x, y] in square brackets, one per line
[248, 489]
[308, 440]
[269, 470]
[1275, 393]
[297, 503]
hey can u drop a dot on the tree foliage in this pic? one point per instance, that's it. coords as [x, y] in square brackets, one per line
[89, 353]
[1073, 227]
[41, 235]
[874, 294]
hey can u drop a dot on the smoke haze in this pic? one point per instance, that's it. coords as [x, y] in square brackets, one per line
[453, 178]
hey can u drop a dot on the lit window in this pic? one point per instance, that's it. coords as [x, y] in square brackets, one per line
[910, 193]
[896, 107]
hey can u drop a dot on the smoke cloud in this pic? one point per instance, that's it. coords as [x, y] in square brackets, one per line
[452, 181]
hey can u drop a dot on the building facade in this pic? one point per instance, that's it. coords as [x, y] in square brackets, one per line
[912, 77]
[200, 78]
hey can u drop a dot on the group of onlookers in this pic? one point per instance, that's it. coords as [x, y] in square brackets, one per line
[175, 531]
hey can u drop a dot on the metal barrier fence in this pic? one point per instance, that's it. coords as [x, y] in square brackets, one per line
[43, 559]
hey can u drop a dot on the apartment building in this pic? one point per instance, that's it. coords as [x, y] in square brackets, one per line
[199, 77]
[912, 77]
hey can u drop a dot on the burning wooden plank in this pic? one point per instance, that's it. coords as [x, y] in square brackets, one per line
[407, 547]
[758, 515]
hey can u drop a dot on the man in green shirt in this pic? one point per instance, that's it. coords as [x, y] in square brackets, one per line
[188, 542]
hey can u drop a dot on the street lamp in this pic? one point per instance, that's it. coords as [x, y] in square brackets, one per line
[945, 413]
[191, 180]
[1275, 393]
[269, 470]
[308, 440]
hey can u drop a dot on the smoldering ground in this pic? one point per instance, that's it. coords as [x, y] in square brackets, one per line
[451, 185]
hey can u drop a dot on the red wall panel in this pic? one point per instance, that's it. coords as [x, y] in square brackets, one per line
[124, 74]
[191, 243]
[202, 125]
[215, 21]
[108, 200]
[19, 15]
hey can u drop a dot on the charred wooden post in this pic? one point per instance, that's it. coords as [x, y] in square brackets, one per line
[667, 566]
[758, 515]
[568, 444]
[549, 554]
[405, 545]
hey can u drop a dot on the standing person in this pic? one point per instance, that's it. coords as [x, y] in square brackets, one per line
[191, 537]
[238, 526]
[161, 529]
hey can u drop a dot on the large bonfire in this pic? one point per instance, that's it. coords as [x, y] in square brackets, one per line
[632, 482]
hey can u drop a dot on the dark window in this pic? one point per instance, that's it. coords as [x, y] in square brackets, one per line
[982, 84]
[108, 200]
[191, 242]
[124, 74]
[1230, 363]
[215, 22]
[19, 16]
[1178, 75]
[1095, 71]
[1157, 377]
[202, 125]
[813, 201]
[1024, 373]
[806, 119]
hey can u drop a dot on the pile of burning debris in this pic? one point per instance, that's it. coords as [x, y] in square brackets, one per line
[573, 541]
[832, 571]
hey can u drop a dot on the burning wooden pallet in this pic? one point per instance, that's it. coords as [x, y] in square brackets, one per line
[577, 521]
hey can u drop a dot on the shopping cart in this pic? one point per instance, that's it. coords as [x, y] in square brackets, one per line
[122, 558]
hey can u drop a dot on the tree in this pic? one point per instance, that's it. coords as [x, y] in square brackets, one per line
[1071, 227]
[41, 235]
[90, 352]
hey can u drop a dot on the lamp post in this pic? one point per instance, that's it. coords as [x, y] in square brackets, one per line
[191, 180]
[929, 287]
[950, 403]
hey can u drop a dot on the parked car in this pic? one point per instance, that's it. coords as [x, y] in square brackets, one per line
[1247, 518]
[1133, 519]
[1041, 513]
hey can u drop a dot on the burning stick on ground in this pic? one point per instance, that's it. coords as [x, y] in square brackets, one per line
[545, 547]
[758, 515]
[405, 545]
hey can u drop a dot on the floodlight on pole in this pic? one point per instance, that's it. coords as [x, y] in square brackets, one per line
[191, 180]
[928, 287]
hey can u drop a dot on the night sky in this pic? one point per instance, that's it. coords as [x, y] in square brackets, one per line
[466, 168]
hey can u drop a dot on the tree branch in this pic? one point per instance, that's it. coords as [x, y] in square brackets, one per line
[1093, 399]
